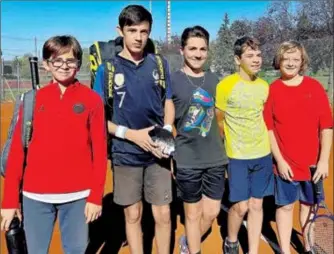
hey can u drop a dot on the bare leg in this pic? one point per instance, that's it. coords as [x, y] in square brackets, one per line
[162, 220]
[254, 224]
[235, 217]
[211, 209]
[193, 214]
[133, 214]
[284, 217]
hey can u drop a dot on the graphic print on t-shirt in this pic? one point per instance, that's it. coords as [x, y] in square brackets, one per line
[200, 112]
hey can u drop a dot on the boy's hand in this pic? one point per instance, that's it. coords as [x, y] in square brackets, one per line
[92, 212]
[141, 138]
[284, 170]
[7, 217]
[159, 152]
[321, 172]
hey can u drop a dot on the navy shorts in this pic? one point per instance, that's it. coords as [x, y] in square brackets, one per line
[288, 192]
[250, 178]
[194, 183]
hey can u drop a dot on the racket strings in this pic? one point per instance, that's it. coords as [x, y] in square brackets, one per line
[321, 235]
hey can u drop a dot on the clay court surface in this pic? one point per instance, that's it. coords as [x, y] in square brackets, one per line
[107, 235]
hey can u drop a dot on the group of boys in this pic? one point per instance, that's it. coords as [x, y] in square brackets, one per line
[135, 112]
[136, 106]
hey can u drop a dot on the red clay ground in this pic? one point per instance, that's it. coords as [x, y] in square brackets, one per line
[112, 226]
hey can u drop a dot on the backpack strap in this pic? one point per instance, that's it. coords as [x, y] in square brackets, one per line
[109, 73]
[28, 102]
[8, 143]
[162, 77]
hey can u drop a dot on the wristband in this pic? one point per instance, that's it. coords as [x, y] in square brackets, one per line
[120, 131]
[168, 127]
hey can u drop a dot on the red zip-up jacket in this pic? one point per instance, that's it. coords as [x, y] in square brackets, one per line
[68, 149]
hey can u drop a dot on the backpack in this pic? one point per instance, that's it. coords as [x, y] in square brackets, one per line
[103, 53]
[27, 102]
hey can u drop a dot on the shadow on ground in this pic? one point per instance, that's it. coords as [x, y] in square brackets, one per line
[268, 232]
[108, 232]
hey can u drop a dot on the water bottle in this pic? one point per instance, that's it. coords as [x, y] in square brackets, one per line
[15, 238]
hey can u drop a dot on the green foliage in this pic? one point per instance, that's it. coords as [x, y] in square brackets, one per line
[223, 56]
[21, 66]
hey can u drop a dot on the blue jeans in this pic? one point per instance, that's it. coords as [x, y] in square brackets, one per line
[39, 220]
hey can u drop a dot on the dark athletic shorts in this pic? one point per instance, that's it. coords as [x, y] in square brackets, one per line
[288, 192]
[194, 183]
[250, 178]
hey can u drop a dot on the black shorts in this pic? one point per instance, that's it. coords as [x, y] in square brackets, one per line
[194, 183]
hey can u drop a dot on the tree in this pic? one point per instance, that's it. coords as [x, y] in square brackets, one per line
[320, 13]
[223, 59]
[85, 65]
[21, 66]
[284, 19]
[240, 28]
[171, 52]
[304, 27]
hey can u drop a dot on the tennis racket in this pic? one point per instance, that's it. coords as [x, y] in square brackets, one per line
[33, 62]
[320, 232]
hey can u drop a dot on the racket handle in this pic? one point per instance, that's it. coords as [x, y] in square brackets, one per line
[317, 187]
[33, 61]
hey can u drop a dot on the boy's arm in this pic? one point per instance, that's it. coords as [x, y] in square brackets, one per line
[169, 114]
[220, 120]
[99, 153]
[220, 106]
[169, 105]
[14, 167]
[283, 167]
[326, 134]
[269, 121]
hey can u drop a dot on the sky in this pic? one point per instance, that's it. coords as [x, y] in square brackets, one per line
[88, 21]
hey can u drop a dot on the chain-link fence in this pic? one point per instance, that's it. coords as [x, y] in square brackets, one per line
[16, 79]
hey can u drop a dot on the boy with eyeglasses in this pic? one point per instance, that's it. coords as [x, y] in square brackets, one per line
[67, 158]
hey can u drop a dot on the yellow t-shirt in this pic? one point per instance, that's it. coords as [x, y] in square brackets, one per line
[244, 127]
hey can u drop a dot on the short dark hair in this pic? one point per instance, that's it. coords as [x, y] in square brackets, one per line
[195, 31]
[242, 43]
[58, 45]
[134, 15]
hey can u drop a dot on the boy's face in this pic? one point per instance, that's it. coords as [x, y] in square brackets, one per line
[195, 52]
[135, 37]
[250, 61]
[62, 67]
[291, 63]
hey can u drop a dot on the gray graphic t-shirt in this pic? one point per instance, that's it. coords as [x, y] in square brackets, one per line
[198, 143]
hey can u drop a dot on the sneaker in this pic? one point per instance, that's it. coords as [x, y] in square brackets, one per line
[183, 245]
[230, 247]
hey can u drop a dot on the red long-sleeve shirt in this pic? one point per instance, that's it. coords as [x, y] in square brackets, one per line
[67, 152]
[297, 115]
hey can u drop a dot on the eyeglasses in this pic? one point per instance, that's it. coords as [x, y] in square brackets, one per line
[58, 62]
